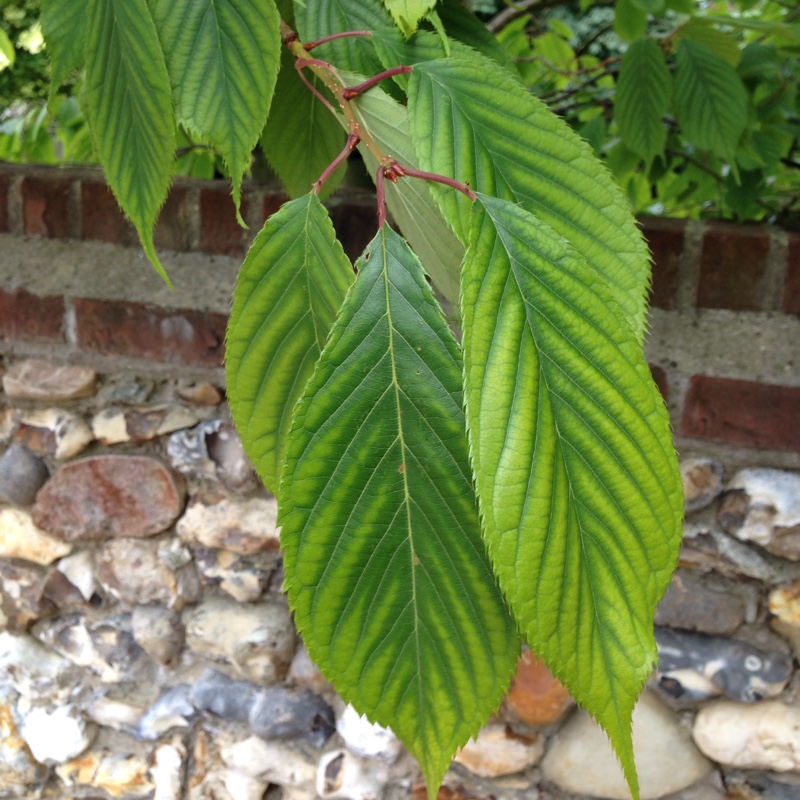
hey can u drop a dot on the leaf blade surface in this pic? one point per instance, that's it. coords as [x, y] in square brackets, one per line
[128, 105]
[64, 29]
[287, 295]
[386, 571]
[572, 454]
[223, 58]
[472, 121]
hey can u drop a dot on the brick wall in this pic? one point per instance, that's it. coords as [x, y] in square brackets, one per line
[724, 339]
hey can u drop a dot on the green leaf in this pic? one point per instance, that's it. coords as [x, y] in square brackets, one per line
[644, 92]
[576, 476]
[385, 568]
[288, 293]
[703, 31]
[408, 13]
[650, 6]
[319, 18]
[630, 22]
[409, 200]
[461, 24]
[462, 126]
[128, 105]
[64, 29]
[223, 58]
[302, 137]
[7, 50]
[710, 99]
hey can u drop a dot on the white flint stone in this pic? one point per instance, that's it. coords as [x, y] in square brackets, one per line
[28, 666]
[581, 761]
[20, 538]
[109, 426]
[18, 770]
[498, 751]
[270, 762]
[341, 775]
[259, 638]
[119, 774]
[78, 569]
[244, 787]
[114, 714]
[367, 739]
[71, 434]
[774, 497]
[241, 526]
[764, 735]
[56, 735]
[167, 770]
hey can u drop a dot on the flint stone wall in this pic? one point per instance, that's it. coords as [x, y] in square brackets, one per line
[146, 650]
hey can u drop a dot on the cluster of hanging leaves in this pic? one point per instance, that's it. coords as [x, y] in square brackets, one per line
[436, 499]
[694, 106]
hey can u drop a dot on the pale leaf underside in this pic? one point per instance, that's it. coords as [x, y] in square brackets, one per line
[573, 461]
[385, 567]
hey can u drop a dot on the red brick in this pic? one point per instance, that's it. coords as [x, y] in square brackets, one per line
[660, 378]
[219, 230]
[272, 203]
[45, 206]
[791, 289]
[28, 316]
[742, 412]
[101, 217]
[733, 265]
[134, 329]
[4, 222]
[172, 228]
[665, 238]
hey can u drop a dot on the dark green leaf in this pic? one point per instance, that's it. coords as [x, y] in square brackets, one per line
[64, 29]
[223, 58]
[461, 24]
[128, 104]
[710, 100]
[385, 568]
[703, 31]
[472, 121]
[319, 18]
[630, 22]
[288, 293]
[650, 6]
[576, 475]
[302, 137]
[644, 92]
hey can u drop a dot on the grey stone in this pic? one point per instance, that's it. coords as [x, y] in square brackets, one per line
[245, 578]
[763, 506]
[580, 759]
[702, 482]
[21, 596]
[135, 571]
[259, 639]
[694, 666]
[272, 712]
[173, 709]
[691, 605]
[22, 474]
[158, 631]
[35, 379]
[222, 696]
[127, 390]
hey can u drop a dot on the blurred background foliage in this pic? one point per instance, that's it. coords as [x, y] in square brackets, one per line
[693, 104]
